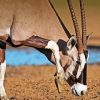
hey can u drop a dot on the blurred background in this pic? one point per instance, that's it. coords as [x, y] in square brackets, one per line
[29, 56]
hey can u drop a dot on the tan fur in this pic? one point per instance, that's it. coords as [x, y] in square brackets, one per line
[32, 17]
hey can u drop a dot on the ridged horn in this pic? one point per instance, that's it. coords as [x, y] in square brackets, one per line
[76, 27]
[83, 22]
[84, 36]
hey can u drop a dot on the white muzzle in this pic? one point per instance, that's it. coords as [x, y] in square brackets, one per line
[79, 89]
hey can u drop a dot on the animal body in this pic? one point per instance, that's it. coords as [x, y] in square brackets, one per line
[35, 23]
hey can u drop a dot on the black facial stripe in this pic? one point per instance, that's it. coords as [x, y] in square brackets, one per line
[76, 69]
[86, 53]
[76, 92]
[85, 74]
[80, 79]
[60, 62]
[2, 45]
[78, 62]
[71, 80]
[83, 77]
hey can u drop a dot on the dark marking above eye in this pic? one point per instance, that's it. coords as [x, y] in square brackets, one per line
[73, 42]
[78, 62]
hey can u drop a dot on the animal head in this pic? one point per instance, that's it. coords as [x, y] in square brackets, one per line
[75, 73]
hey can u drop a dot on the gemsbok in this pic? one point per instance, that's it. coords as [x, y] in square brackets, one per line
[36, 23]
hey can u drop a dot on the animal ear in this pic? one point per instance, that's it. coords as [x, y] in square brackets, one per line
[89, 36]
[71, 43]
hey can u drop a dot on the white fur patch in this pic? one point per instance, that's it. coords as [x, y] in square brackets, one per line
[73, 53]
[7, 30]
[52, 45]
[82, 59]
[2, 73]
[55, 49]
[2, 70]
[81, 67]
[79, 89]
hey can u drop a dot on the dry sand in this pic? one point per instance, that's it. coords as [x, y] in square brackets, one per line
[37, 83]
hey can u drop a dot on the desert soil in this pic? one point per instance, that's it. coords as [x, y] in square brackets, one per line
[37, 83]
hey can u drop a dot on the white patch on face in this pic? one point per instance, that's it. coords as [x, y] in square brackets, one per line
[73, 53]
[81, 67]
[82, 60]
[79, 89]
[2, 73]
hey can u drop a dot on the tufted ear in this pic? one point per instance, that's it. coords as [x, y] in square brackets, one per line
[71, 43]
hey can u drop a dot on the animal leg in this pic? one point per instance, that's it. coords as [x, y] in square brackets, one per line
[60, 72]
[41, 43]
[3, 95]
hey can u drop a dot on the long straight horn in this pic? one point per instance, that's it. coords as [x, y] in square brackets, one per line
[78, 35]
[84, 37]
[83, 21]
[61, 22]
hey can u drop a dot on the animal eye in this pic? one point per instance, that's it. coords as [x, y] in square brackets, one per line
[78, 62]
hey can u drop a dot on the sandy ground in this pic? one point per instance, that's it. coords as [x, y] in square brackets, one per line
[37, 83]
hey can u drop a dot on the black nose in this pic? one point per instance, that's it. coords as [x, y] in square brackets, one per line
[82, 93]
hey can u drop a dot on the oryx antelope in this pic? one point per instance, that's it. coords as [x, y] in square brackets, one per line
[35, 23]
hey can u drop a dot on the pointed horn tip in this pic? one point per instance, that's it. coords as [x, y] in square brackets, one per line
[88, 36]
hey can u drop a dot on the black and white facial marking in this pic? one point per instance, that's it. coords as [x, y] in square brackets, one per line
[77, 76]
[76, 73]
